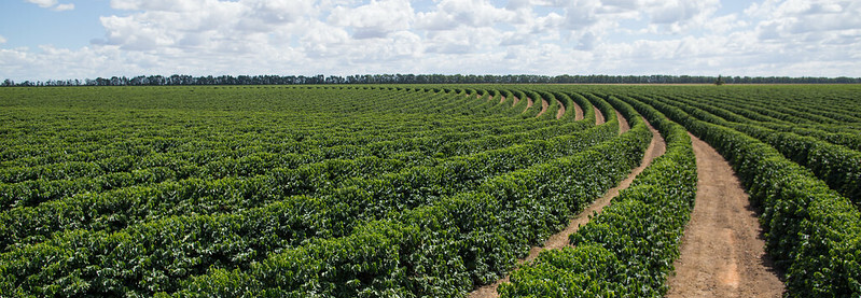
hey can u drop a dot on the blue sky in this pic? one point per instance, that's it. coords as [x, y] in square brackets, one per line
[63, 39]
[25, 24]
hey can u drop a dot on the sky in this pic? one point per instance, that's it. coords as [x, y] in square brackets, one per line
[68, 39]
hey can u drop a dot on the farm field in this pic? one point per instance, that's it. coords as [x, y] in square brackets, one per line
[430, 191]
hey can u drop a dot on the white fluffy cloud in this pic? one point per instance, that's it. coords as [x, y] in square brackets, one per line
[679, 11]
[451, 14]
[374, 20]
[202, 37]
[816, 36]
[824, 21]
[44, 3]
[52, 4]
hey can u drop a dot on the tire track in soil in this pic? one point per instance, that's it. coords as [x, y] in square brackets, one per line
[722, 251]
[561, 111]
[657, 147]
[544, 106]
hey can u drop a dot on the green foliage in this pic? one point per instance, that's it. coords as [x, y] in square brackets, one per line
[408, 190]
[836, 165]
[476, 233]
[628, 249]
[810, 230]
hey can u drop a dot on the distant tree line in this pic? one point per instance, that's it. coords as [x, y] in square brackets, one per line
[179, 80]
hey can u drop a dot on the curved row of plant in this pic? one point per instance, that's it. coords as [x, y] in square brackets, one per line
[83, 135]
[812, 232]
[116, 209]
[85, 158]
[627, 250]
[797, 113]
[160, 168]
[836, 165]
[736, 111]
[197, 242]
[443, 249]
[120, 161]
[125, 171]
[340, 167]
[807, 108]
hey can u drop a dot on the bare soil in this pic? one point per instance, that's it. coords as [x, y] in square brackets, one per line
[529, 104]
[544, 105]
[516, 100]
[501, 99]
[560, 240]
[578, 112]
[561, 111]
[599, 118]
[722, 252]
[623, 123]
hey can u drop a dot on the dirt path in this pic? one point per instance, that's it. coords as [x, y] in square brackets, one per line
[501, 99]
[544, 105]
[623, 123]
[529, 104]
[561, 111]
[599, 117]
[722, 253]
[578, 112]
[560, 240]
[516, 100]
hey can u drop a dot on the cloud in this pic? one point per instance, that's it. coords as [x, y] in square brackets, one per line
[64, 7]
[52, 4]
[813, 23]
[451, 14]
[464, 40]
[374, 20]
[581, 14]
[725, 24]
[202, 37]
[517, 4]
[44, 3]
[677, 16]
[270, 15]
[243, 27]
[160, 5]
[2, 39]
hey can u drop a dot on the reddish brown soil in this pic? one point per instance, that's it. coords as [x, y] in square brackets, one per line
[529, 104]
[501, 99]
[623, 123]
[722, 252]
[516, 100]
[599, 118]
[578, 112]
[561, 110]
[544, 105]
[560, 240]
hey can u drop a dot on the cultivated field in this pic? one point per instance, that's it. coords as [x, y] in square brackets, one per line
[431, 191]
